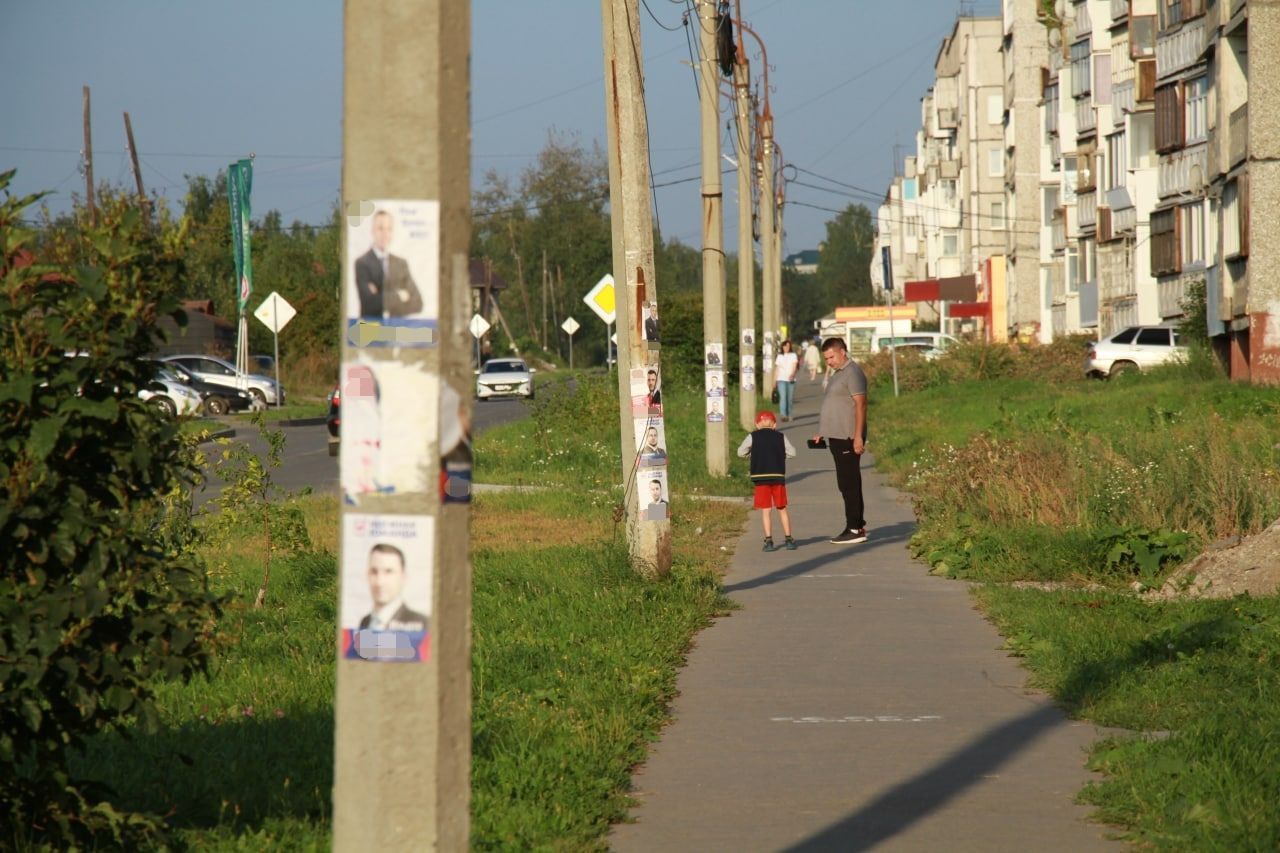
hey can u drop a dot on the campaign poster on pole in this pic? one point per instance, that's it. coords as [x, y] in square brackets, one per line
[748, 373]
[651, 441]
[387, 582]
[651, 489]
[380, 456]
[646, 391]
[392, 279]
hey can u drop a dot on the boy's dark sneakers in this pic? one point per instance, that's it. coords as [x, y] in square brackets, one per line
[791, 544]
[768, 544]
[850, 537]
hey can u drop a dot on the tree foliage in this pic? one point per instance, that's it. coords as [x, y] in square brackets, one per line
[100, 593]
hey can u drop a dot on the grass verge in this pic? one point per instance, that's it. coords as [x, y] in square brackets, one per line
[1099, 487]
[574, 660]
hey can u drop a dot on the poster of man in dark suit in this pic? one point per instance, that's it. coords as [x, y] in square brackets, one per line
[383, 281]
[386, 588]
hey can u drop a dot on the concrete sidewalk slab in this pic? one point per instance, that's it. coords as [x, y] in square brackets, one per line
[855, 702]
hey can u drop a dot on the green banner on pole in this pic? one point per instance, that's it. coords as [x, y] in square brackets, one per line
[239, 185]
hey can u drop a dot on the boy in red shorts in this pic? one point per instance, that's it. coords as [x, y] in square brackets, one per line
[769, 450]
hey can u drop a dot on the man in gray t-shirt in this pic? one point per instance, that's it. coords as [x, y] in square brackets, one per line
[843, 421]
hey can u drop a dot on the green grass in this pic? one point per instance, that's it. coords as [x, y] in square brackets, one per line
[1094, 485]
[1199, 681]
[574, 660]
[572, 439]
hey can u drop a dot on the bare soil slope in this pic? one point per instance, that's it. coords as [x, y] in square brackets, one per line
[1229, 568]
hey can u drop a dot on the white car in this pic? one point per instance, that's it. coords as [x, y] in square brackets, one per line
[929, 344]
[1135, 348]
[504, 377]
[172, 397]
[208, 368]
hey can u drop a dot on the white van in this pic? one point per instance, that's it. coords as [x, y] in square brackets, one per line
[929, 344]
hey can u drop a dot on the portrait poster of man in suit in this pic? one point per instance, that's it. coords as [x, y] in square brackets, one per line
[386, 587]
[653, 495]
[392, 280]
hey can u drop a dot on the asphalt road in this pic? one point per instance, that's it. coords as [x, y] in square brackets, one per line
[306, 461]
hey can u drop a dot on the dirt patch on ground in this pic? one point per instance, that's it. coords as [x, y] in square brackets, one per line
[1228, 568]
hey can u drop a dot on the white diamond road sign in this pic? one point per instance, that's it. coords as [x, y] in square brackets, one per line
[275, 313]
[570, 326]
[479, 326]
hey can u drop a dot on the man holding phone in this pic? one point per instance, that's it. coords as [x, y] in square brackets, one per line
[843, 422]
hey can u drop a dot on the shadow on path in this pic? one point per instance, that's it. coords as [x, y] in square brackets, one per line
[883, 535]
[900, 807]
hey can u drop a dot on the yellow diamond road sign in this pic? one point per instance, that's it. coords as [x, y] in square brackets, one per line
[600, 300]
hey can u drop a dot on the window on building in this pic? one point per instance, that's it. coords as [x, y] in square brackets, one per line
[1235, 218]
[997, 216]
[1169, 134]
[1088, 260]
[1196, 112]
[1050, 205]
[1080, 68]
[950, 245]
[995, 163]
[995, 109]
[1193, 234]
[1117, 160]
[1068, 179]
[1164, 242]
[1142, 36]
[1170, 13]
[1073, 269]
[911, 225]
[1102, 78]
[948, 187]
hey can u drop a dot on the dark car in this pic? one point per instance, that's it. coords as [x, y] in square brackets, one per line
[218, 399]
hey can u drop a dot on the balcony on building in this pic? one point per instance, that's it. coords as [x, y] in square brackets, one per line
[1182, 173]
[1238, 129]
[1177, 50]
[1119, 10]
[1058, 225]
[1086, 117]
[1056, 286]
[1087, 210]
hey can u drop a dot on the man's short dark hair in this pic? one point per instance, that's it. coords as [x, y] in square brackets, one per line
[384, 548]
[653, 373]
[834, 343]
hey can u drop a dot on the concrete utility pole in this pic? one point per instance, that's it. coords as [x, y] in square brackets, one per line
[768, 249]
[88, 162]
[137, 173]
[713, 308]
[648, 523]
[779, 195]
[403, 709]
[746, 254]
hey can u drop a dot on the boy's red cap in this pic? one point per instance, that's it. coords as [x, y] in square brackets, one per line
[765, 415]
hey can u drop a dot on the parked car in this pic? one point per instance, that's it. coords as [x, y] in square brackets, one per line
[171, 396]
[504, 377]
[209, 368]
[1135, 348]
[931, 344]
[218, 399]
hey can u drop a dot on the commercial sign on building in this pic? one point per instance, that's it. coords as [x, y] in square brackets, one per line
[874, 312]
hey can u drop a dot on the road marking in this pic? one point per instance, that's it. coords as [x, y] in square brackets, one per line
[884, 718]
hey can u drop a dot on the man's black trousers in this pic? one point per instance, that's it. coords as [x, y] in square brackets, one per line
[849, 481]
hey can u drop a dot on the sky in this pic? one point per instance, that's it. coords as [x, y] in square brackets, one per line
[208, 83]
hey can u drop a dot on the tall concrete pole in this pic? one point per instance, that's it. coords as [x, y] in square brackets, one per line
[768, 249]
[402, 715]
[746, 253]
[713, 284]
[88, 160]
[776, 278]
[631, 218]
[143, 204]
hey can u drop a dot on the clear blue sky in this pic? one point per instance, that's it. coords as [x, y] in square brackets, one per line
[206, 83]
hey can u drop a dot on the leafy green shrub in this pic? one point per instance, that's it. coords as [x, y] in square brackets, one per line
[99, 593]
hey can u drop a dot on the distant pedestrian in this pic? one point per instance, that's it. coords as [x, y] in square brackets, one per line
[843, 421]
[769, 449]
[812, 360]
[785, 367]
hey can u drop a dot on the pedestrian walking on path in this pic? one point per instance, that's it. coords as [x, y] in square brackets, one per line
[812, 360]
[769, 451]
[843, 422]
[785, 367]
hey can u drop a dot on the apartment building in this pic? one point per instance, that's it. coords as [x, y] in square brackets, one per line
[1242, 106]
[1024, 52]
[946, 214]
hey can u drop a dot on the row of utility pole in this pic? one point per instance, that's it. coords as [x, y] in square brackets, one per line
[90, 201]
[402, 735]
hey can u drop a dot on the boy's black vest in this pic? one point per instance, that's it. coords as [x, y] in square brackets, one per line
[768, 457]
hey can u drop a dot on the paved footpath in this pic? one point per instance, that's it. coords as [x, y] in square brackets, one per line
[855, 702]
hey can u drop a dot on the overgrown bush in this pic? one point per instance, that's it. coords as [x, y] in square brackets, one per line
[1056, 362]
[100, 593]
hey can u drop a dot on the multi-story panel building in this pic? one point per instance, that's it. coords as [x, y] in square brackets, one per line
[1242, 288]
[1024, 51]
[1127, 290]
